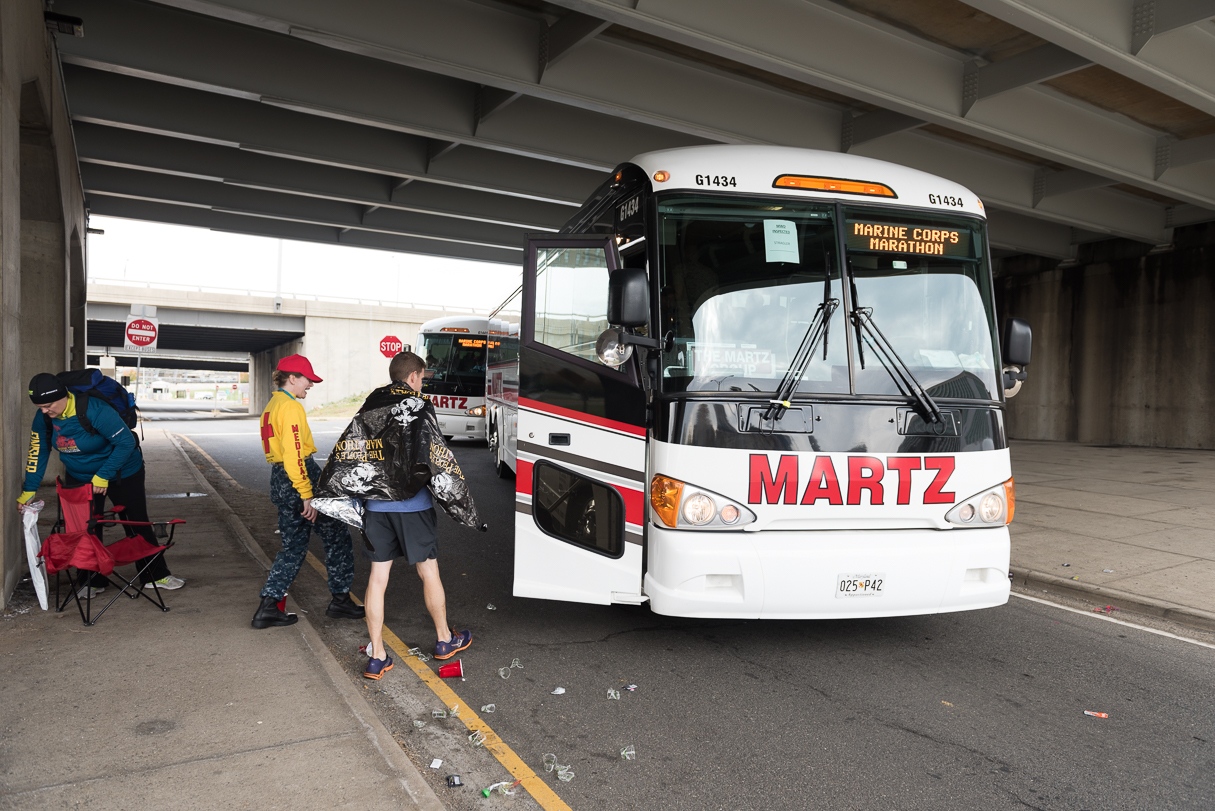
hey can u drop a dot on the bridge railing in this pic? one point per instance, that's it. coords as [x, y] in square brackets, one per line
[193, 288]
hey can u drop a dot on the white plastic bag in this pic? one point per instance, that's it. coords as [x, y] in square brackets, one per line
[33, 545]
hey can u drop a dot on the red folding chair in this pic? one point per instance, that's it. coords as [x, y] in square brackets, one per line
[75, 544]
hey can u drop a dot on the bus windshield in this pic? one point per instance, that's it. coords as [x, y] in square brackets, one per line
[925, 285]
[740, 282]
[455, 363]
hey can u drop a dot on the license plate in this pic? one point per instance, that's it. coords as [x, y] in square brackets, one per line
[859, 585]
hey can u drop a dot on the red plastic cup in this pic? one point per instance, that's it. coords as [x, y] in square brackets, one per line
[451, 669]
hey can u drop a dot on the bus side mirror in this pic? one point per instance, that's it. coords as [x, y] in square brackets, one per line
[628, 298]
[1016, 347]
[1018, 342]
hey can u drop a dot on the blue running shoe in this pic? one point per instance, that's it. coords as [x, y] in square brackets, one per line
[376, 668]
[459, 641]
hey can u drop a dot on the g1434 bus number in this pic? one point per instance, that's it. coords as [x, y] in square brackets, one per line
[716, 180]
[859, 585]
[946, 200]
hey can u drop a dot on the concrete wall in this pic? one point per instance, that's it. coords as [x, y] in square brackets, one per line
[342, 339]
[42, 217]
[1122, 345]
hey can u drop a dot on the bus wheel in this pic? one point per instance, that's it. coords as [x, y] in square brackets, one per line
[500, 466]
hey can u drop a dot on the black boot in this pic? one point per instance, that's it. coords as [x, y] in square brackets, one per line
[341, 607]
[268, 614]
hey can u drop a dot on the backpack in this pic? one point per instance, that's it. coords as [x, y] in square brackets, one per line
[88, 383]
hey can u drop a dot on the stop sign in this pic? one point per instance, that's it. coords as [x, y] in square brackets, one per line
[141, 333]
[390, 345]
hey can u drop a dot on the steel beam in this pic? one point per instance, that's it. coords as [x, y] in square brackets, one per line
[1152, 17]
[859, 129]
[122, 182]
[826, 45]
[1049, 183]
[294, 74]
[217, 319]
[1011, 231]
[1170, 152]
[156, 153]
[1177, 64]
[1035, 65]
[563, 36]
[133, 209]
[141, 105]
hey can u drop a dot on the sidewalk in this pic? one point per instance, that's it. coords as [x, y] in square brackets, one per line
[190, 708]
[1145, 514]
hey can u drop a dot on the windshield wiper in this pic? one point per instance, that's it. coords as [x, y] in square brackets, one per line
[862, 317]
[817, 331]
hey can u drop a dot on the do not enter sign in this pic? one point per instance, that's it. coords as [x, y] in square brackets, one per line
[141, 334]
[390, 345]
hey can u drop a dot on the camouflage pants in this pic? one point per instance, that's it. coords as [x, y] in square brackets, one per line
[296, 530]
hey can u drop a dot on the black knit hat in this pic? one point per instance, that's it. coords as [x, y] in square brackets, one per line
[46, 388]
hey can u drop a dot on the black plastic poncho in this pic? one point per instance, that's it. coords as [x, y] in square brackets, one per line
[391, 450]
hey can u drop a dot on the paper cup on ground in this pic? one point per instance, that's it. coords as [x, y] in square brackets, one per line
[452, 670]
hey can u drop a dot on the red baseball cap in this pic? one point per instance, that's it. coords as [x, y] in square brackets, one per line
[298, 364]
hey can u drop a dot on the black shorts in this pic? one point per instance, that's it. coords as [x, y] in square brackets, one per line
[388, 536]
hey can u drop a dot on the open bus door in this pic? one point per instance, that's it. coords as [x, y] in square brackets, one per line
[581, 477]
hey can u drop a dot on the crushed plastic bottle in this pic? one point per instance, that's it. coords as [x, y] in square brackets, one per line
[489, 708]
[504, 672]
[454, 711]
[516, 663]
[438, 713]
[628, 753]
[501, 788]
[419, 724]
[550, 762]
[613, 694]
[422, 657]
[565, 773]
[477, 739]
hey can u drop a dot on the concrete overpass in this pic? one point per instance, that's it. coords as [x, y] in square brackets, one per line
[452, 128]
[207, 328]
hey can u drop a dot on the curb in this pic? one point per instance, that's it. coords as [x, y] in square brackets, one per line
[1173, 612]
[379, 736]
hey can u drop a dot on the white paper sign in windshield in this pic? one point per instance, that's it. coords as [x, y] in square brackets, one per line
[780, 241]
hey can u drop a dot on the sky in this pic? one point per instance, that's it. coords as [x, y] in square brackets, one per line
[137, 251]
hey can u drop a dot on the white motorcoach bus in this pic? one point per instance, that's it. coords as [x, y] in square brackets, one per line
[454, 350]
[761, 382]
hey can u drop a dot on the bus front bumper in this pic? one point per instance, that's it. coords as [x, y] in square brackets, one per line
[461, 425]
[798, 574]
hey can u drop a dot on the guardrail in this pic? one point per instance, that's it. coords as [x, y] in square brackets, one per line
[190, 288]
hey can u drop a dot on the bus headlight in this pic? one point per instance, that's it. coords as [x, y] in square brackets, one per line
[991, 507]
[679, 505]
[476, 411]
[699, 509]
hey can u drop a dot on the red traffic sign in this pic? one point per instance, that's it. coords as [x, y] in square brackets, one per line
[390, 345]
[141, 332]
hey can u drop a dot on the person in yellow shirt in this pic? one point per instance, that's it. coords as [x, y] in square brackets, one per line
[287, 443]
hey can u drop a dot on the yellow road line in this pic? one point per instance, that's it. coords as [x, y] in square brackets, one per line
[214, 464]
[540, 791]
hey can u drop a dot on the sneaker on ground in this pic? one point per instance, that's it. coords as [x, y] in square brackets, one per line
[90, 591]
[168, 583]
[459, 641]
[376, 668]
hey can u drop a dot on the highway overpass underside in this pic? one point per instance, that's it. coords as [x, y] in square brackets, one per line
[454, 128]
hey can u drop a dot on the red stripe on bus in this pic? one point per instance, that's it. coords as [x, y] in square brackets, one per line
[634, 504]
[581, 416]
[523, 477]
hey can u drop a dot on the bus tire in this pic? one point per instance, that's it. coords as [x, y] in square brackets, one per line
[500, 466]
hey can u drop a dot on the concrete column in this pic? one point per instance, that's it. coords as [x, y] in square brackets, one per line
[261, 373]
[41, 202]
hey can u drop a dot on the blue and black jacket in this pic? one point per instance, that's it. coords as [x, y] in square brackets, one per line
[108, 454]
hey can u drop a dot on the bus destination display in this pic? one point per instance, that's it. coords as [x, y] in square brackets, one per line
[895, 238]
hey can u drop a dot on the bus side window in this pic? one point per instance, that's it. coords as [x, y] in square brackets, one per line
[571, 299]
[578, 510]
